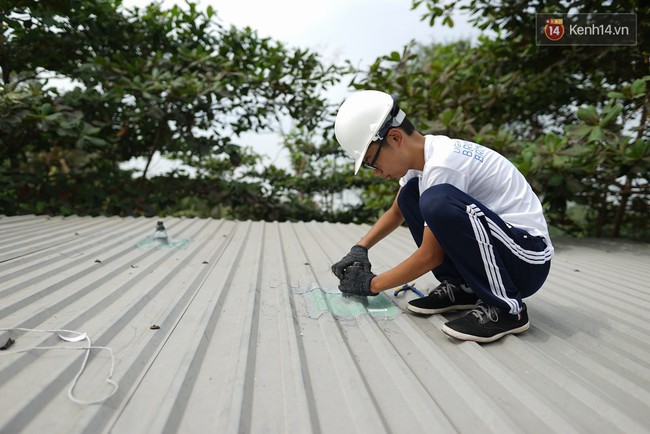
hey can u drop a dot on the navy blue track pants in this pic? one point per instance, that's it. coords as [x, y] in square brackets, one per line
[501, 264]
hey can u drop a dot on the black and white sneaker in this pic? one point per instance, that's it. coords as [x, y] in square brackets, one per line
[487, 324]
[445, 297]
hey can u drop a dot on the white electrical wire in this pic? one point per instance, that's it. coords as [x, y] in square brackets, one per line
[78, 336]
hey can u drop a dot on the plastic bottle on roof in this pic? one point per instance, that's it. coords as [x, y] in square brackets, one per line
[160, 236]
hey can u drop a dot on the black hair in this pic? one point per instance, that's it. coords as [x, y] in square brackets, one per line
[407, 126]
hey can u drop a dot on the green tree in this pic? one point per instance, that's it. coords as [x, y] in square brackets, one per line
[139, 81]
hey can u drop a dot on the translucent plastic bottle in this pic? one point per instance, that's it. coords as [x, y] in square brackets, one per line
[160, 236]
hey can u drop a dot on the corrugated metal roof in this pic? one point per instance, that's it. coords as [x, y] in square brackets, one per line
[253, 338]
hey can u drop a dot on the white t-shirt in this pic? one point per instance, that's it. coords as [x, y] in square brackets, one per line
[485, 175]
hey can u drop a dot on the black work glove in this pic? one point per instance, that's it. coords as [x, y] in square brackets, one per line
[356, 281]
[357, 254]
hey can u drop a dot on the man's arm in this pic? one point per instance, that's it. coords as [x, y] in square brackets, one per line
[427, 257]
[387, 223]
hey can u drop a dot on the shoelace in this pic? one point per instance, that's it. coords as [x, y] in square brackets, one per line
[446, 288]
[482, 310]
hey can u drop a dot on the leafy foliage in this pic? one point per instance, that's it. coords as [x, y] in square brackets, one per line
[87, 85]
[141, 82]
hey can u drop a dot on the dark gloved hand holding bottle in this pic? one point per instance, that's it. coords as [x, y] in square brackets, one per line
[356, 280]
[357, 254]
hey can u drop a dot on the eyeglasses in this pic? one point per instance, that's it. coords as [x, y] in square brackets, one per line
[371, 165]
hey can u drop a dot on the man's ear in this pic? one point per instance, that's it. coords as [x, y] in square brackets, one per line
[395, 136]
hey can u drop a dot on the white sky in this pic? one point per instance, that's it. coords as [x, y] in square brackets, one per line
[355, 29]
[358, 30]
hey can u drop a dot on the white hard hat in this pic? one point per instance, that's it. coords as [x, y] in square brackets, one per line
[364, 117]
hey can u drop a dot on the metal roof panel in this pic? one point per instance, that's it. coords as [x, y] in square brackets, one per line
[236, 326]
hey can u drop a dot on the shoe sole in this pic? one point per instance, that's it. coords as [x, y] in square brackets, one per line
[425, 311]
[482, 339]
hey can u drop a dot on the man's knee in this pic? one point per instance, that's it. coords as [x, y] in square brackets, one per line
[439, 204]
[409, 195]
